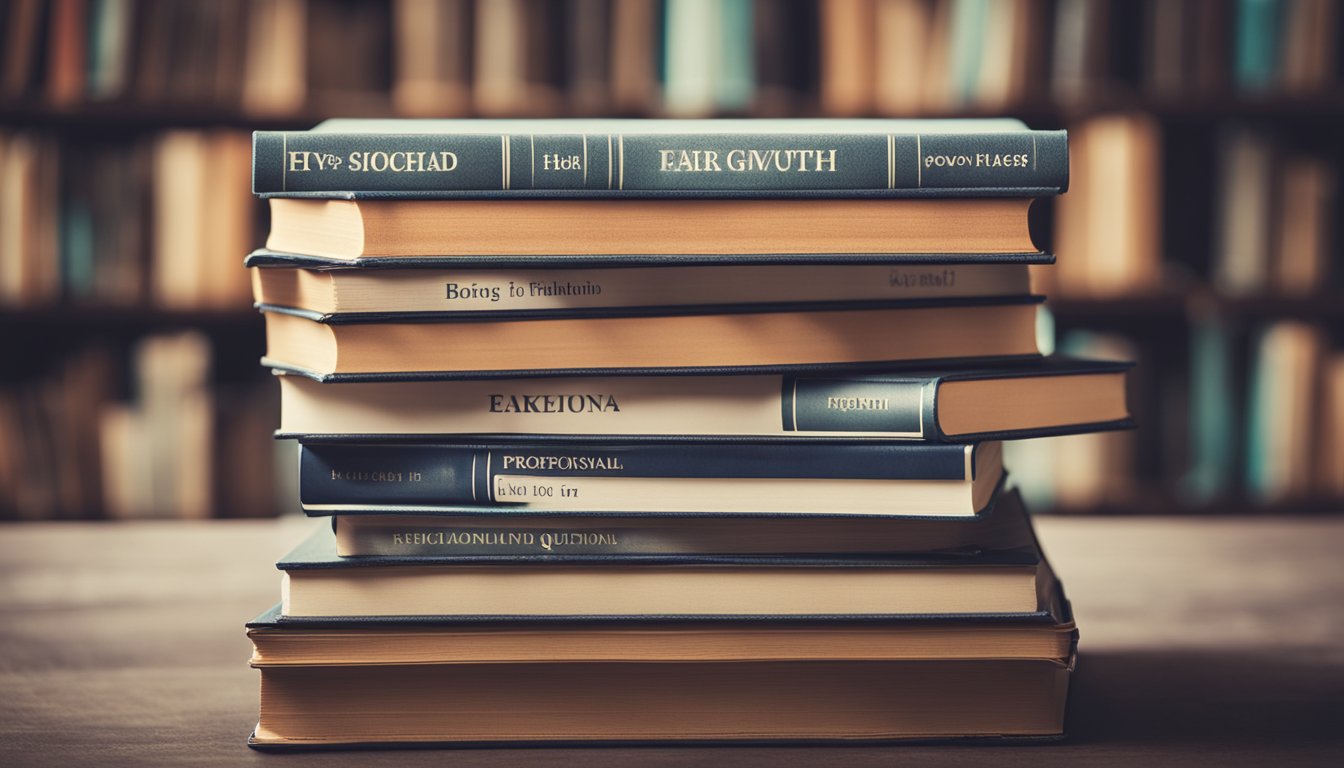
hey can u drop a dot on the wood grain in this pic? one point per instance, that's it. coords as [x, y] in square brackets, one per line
[1205, 641]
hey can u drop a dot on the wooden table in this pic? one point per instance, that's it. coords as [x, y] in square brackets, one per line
[1214, 642]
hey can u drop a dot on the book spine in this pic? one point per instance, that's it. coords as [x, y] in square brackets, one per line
[754, 406]
[428, 540]
[1025, 163]
[890, 407]
[701, 289]
[561, 537]
[335, 475]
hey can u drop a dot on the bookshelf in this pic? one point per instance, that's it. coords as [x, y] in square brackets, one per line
[1228, 121]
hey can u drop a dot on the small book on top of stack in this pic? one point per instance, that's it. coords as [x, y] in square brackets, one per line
[663, 431]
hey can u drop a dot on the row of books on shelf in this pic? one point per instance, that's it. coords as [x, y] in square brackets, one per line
[153, 221]
[169, 442]
[583, 420]
[1291, 414]
[1255, 421]
[1249, 214]
[1277, 217]
[935, 56]
[504, 57]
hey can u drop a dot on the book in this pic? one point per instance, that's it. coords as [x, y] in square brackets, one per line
[691, 32]
[997, 528]
[1284, 410]
[1303, 226]
[1244, 214]
[634, 56]
[516, 57]
[587, 55]
[661, 158]
[785, 55]
[431, 46]
[571, 292]
[1329, 475]
[275, 67]
[318, 584]
[709, 478]
[734, 342]
[847, 30]
[1110, 223]
[198, 227]
[323, 683]
[901, 57]
[278, 641]
[821, 702]
[1257, 56]
[351, 229]
[1056, 396]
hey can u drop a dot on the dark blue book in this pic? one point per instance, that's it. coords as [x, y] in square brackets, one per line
[843, 479]
[661, 158]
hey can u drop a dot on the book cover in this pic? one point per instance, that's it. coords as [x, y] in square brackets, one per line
[321, 585]
[1000, 527]
[661, 158]
[1058, 395]
[721, 477]
[735, 342]
[439, 289]
[265, 258]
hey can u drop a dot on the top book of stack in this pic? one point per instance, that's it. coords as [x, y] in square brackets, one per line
[506, 159]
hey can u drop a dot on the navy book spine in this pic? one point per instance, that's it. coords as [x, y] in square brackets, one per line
[411, 473]
[888, 406]
[1006, 163]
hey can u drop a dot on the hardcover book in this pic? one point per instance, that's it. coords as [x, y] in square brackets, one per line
[354, 229]
[325, 684]
[998, 527]
[842, 479]
[319, 584]
[1058, 395]
[721, 343]
[661, 158]
[499, 293]
[796, 702]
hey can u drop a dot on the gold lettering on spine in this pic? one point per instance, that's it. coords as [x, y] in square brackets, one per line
[919, 163]
[921, 413]
[891, 162]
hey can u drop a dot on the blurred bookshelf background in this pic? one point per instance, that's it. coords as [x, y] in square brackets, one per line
[1201, 235]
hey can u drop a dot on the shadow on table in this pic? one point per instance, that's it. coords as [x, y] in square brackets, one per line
[1222, 699]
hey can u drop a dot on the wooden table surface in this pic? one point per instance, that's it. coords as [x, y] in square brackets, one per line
[1214, 642]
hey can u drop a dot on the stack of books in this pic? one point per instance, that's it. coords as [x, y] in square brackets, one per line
[663, 431]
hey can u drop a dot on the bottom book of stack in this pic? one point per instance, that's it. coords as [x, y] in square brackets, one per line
[961, 642]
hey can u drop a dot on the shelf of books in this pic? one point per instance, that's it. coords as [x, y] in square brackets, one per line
[1201, 229]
